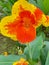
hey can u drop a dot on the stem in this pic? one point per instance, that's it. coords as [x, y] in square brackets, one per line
[29, 51]
[30, 54]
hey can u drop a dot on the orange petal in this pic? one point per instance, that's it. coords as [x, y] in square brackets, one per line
[6, 20]
[38, 14]
[40, 17]
[26, 35]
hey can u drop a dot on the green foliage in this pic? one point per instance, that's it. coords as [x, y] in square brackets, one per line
[47, 60]
[5, 7]
[35, 51]
[44, 5]
[44, 52]
[32, 51]
[8, 60]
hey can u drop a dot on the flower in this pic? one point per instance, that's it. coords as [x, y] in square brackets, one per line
[22, 24]
[5, 53]
[22, 30]
[21, 62]
[46, 23]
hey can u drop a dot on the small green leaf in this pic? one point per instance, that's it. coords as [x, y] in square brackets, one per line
[41, 5]
[46, 5]
[47, 44]
[47, 60]
[8, 60]
[44, 52]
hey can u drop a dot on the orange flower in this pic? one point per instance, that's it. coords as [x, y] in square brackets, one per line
[23, 27]
[23, 21]
[21, 62]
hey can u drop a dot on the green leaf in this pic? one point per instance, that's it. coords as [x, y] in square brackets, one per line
[32, 51]
[46, 5]
[8, 60]
[47, 44]
[44, 52]
[41, 5]
[47, 60]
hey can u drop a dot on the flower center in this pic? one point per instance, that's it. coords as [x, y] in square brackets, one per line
[27, 18]
[26, 22]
